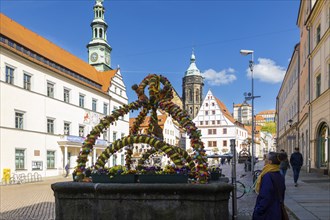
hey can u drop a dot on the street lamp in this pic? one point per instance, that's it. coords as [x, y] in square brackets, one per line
[251, 97]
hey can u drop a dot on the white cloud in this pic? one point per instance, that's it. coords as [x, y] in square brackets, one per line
[214, 78]
[267, 71]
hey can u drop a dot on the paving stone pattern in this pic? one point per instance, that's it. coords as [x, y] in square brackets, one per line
[308, 201]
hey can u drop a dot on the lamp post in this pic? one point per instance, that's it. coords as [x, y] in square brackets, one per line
[250, 96]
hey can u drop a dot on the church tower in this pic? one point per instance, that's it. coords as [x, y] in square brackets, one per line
[192, 88]
[99, 51]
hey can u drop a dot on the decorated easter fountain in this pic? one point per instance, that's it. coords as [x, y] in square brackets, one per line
[128, 195]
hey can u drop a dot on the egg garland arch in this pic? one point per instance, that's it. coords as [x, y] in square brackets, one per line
[185, 156]
[159, 97]
[158, 144]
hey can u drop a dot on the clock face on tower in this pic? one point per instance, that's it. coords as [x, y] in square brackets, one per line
[94, 57]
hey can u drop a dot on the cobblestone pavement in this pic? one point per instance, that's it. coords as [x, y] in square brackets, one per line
[36, 200]
[28, 201]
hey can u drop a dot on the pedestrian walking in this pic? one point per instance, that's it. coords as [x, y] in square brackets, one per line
[67, 170]
[270, 188]
[223, 160]
[296, 161]
[228, 160]
[284, 165]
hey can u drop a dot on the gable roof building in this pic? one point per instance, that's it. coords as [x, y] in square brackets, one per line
[218, 126]
[51, 100]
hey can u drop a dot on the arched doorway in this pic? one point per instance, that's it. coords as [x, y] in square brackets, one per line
[323, 146]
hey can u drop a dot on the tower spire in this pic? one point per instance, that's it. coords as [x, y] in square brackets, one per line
[192, 69]
[192, 88]
[99, 51]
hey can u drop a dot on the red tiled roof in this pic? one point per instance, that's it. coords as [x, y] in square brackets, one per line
[49, 50]
[146, 122]
[266, 112]
[259, 118]
[225, 111]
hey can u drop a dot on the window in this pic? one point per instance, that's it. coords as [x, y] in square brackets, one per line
[105, 108]
[114, 158]
[114, 136]
[201, 122]
[105, 135]
[50, 90]
[27, 81]
[206, 112]
[218, 122]
[94, 102]
[318, 34]
[224, 143]
[122, 159]
[206, 123]
[214, 131]
[224, 131]
[19, 120]
[214, 143]
[209, 143]
[50, 159]
[213, 112]
[197, 95]
[81, 100]
[213, 122]
[190, 95]
[50, 126]
[66, 94]
[318, 85]
[81, 131]
[209, 131]
[66, 128]
[9, 75]
[19, 159]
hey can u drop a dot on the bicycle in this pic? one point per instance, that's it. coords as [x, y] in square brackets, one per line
[241, 189]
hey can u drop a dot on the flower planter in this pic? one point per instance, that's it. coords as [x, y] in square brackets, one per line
[103, 178]
[163, 178]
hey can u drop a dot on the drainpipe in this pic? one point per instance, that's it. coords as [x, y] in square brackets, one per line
[309, 105]
[298, 101]
[277, 123]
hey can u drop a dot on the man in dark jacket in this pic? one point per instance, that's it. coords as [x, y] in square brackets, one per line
[296, 161]
[284, 165]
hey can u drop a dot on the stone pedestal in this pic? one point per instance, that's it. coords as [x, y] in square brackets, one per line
[98, 201]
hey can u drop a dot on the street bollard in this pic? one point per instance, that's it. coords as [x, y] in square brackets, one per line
[233, 178]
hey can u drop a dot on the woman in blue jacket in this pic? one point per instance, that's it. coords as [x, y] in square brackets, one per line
[270, 188]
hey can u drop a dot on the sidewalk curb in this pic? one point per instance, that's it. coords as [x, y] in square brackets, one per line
[296, 210]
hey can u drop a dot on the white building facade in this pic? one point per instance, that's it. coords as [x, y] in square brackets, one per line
[50, 100]
[243, 113]
[218, 127]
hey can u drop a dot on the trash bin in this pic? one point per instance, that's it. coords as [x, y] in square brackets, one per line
[247, 166]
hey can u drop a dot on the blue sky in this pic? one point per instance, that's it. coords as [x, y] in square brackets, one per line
[158, 36]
